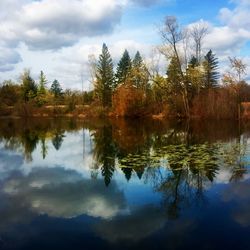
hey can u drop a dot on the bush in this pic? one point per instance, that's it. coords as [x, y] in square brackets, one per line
[128, 101]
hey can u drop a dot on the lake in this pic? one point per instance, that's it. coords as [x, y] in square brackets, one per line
[141, 184]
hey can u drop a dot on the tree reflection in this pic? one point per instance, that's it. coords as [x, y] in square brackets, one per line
[105, 152]
[191, 154]
[29, 140]
[57, 140]
[25, 135]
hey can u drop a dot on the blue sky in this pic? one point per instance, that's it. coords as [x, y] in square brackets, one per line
[57, 36]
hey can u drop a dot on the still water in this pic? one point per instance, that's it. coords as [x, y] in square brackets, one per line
[67, 184]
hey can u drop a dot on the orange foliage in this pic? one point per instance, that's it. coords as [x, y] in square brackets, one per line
[128, 100]
[216, 103]
[245, 107]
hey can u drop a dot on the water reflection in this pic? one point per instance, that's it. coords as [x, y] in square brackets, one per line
[125, 183]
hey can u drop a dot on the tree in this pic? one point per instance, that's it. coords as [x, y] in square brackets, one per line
[41, 93]
[29, 87]
[172, 35]
[174, 85]
[198, 33]
[42, 83]
[234, 80]
[139, 73]
[57, 140]
[238, 67]
[211, 75]
[193, 62]
[104, 84]
[137, 61]
[56, 89]
[9, 93]
[195, 76]
[123, 68]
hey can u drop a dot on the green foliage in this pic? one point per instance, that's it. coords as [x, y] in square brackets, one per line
[159, 88]
[139, 73]
[211, 75]
[195, 78]
[105, 153]
[137, 61]
[104, 83]
[88, 97]
[29, 87]
[174, 74]
[56, 89]
[193, 62]
[42, 83]
[70, 99]
[42, 90]
[124, 67]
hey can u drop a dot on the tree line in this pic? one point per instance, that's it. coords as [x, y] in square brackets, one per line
[190, 86]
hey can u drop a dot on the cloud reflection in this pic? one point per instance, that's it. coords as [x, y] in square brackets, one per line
[64, 193]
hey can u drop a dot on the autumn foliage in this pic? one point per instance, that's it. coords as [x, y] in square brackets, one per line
[128, 101]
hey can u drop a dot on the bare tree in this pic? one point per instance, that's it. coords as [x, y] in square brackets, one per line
[186, 45]
[198, 33]
[238, 66]
[172, 36]
[92, 65]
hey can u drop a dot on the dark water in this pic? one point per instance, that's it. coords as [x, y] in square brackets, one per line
[69, 184]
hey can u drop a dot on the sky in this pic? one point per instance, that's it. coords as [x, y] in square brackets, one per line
[59, 36]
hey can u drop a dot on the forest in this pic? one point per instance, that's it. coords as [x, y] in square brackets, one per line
[192, 84]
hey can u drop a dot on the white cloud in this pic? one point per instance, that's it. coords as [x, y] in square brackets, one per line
[52, 24]
[67, 31]
[234, 32]
[64, 193]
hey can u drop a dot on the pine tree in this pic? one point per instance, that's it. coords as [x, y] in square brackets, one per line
[139, 73]
[41, 93]
[104, 84]
[211, 75]
[42, 83]
[193, 62]
[56, 89]
[137, 61]
[123, 68]
[174, 75]
[176, 86]
[29, 87]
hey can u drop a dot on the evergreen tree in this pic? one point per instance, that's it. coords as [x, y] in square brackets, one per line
[177, 86]
[104, 84]
[137, 61]
[56, 89]
[211, 75]
[127, 172]
[139, 73]
[174, 75]
[57, 140]
[123, 68]
[29, 87]
[193, 62]
[42, 83]
[41, 94]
